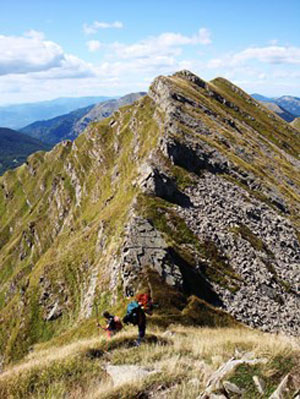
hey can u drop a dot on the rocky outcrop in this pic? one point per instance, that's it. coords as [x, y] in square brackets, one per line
[152, 181]
[144, 247]
[216, 382]
[260, 245]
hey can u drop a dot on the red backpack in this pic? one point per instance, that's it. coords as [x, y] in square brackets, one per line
[146, 302]
[118, 323]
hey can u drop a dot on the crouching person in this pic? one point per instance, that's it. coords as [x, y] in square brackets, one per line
[113, 324]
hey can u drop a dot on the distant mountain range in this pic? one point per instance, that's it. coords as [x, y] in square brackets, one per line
[70, 125]
[15, 148]
[288, 107]
[19, 115]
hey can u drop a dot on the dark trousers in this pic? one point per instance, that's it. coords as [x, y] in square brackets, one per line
[142, 331]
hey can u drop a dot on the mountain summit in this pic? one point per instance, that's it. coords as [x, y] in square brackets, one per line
[192, 191]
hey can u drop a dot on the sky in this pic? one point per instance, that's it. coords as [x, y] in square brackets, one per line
[69, 48]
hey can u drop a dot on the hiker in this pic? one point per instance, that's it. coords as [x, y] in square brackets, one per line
[136, 314]
[145, 302]
[113, 325]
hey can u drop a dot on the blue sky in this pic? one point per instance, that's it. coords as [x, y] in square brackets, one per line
[54, 48]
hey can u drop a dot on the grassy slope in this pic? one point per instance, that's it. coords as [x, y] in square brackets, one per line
[63, 251]
[296, 123]
[186, 357]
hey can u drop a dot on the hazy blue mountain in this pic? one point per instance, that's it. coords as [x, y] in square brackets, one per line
[54, 130]
[289, 104]
[15, 148]
[280, 111]
[18, 115]
[70, 125]
[260, 97]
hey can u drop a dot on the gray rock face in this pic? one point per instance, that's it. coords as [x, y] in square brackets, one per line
[144, 247]
[153, 181]
[267, 260]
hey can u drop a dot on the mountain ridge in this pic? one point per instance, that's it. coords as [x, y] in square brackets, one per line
[193, 191]
[69, 126]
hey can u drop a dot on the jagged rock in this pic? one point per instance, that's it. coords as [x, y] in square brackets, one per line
[282, 388]
[54, 312]
[245, 232]
[145, 247]
[154, 182]
[215, 381]
[232, 388]
[127, 373]
[260, 385]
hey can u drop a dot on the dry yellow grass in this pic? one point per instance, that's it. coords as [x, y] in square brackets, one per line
[184, 356]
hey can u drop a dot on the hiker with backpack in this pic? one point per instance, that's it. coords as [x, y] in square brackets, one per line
[136, 314]
[113, 325]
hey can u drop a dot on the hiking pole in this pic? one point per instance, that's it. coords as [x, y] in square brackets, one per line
[97, 314]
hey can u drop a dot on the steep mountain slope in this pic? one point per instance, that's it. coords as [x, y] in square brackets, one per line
[16, 116]
[15, 148]
[69, 126]
[296, 123]
[193, 191]
[284, 114]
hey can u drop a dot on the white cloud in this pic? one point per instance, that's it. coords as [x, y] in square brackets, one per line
[28, 53]
[71, 67]
[33, 68]
[168, 43]
[93, 45]
[33, 54]
[273, 54]
[96, 25]
[176, 39]
[270, 55]
[34, 34]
